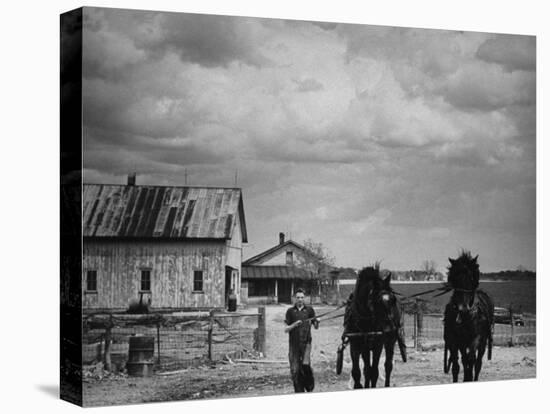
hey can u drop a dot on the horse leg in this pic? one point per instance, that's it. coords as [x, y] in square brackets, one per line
[367, 367]
[376, 352]
[388, 363]
[355, 370]
[468, 358]
[455, 367]
[479, 359]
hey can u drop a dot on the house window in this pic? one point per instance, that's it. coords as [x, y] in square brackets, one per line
[289, 258]
[146, 280]
[91, 280]
[197, 281]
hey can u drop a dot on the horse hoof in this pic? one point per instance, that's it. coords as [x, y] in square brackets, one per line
[357, 386]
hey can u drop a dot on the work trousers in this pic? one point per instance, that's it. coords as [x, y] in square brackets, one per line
[298, 355]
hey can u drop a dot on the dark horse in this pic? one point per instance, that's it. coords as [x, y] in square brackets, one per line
[468, 319]
[372, 323]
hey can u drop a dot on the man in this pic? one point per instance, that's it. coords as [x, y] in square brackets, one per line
[298, 320]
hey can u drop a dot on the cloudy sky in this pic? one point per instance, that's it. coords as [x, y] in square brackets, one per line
[382, 143]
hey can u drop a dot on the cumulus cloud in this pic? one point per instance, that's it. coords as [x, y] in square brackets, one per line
[486, 87]
[207, 40]
[401, 143]
[513, 52]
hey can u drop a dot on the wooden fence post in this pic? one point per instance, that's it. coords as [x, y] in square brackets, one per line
[261, 330]
[420, 323]
[107, 354]
[210, 331]
[511, 325]
[415, 330]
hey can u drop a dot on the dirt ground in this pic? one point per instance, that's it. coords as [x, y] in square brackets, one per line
[226, 380]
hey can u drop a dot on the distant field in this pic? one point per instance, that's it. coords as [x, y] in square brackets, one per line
[521, 294]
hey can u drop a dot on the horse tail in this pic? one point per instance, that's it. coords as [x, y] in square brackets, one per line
[445, 359]
[488, 309]
[490, 344]
[401, 344]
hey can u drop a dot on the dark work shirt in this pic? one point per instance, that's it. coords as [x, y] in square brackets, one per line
[301, 334]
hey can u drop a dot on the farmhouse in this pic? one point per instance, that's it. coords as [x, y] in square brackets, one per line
[175, 248]
[273, 275]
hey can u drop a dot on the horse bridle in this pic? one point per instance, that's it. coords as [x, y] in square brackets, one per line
[371, 316]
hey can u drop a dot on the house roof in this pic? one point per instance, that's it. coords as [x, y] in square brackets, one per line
[144, 211]
[260, 256]
[275, 272]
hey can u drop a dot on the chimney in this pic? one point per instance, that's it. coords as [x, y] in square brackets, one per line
[281, 238]
[132, 179]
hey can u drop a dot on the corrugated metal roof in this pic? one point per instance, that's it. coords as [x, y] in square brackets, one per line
[161, 212]
[275, 272]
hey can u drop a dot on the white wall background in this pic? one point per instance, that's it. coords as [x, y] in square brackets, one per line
[29, 208]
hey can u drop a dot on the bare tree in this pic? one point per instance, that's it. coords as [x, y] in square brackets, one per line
[316, 258]
[429, 268]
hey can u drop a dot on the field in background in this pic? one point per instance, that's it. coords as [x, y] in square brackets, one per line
[521, 294]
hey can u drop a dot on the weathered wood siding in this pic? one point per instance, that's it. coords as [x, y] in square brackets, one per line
[234, 254]
[119, 265]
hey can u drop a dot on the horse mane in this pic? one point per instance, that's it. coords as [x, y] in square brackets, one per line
[463, 273]
[362, 302]
[368, 274]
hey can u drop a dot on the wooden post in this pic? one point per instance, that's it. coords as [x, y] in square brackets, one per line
[419, 321]
[511, 325]
[107, 354]
[276, 291]
[158, 343]
[261, 330]
[210, 330]
[415, 330]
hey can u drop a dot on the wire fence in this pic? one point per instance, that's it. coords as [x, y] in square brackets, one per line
[180, 340]
[426, 331]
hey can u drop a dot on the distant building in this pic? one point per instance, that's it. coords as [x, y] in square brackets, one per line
[174, 247]
[273, 275]
[417, 276]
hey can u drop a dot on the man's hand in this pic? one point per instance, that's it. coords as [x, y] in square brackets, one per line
[316, 323]
[293, 326]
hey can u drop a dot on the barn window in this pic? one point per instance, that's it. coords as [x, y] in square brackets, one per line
[289, 258]
[146, 280]
[197, 281]
[91, 280]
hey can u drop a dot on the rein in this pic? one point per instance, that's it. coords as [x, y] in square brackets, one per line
[327, 313]
[442, 290]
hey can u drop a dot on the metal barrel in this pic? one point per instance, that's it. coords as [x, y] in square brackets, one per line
[232, 303]
[141, 356]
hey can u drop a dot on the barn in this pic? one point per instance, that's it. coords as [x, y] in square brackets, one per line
[175, 248]
[273, 275]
